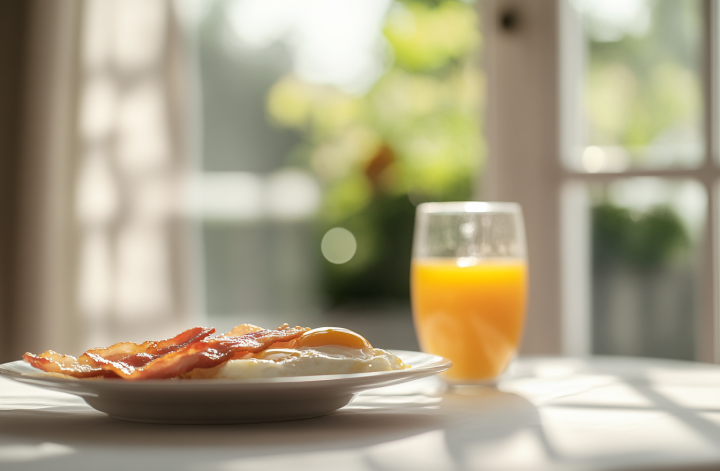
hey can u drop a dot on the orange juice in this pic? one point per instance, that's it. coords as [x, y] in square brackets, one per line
[471, 312]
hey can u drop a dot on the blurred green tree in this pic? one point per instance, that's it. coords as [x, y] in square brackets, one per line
[640, 241]
[414, 136]
[643, 88]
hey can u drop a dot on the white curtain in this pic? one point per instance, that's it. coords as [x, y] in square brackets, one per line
[133, 252]
[103, 252]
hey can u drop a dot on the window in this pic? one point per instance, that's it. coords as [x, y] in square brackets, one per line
[608, 149]
[641, 113]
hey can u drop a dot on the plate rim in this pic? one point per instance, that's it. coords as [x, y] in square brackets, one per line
[436, 364]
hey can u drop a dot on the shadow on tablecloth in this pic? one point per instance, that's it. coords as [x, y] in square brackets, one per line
[372, 419]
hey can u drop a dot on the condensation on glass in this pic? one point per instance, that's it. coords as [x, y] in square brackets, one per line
[475, 230]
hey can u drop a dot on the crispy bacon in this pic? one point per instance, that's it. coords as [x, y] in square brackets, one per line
[204, 353]
[128, 353]
[243, 329]
[167, 358]
[53, 362]
[134, 355]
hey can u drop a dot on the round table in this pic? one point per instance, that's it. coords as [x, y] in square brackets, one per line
[548, 413]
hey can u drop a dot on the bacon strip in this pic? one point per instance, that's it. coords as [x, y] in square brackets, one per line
[134, 355]
[204, 353]
[128, 353]
[53, 362]
[243, 329]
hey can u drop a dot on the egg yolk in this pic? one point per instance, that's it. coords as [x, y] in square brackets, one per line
[332, 336]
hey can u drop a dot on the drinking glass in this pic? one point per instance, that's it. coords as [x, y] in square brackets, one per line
[469, 286]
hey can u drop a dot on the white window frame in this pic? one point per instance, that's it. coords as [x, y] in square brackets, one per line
[529, 50]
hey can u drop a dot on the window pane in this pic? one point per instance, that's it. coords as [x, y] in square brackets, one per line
[645, 249]
[641, 94]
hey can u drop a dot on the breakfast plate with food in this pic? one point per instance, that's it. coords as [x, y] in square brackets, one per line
[249, 374]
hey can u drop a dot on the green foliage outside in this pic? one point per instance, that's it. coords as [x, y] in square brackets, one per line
[645, 90]
[414, 136]
[643, 242]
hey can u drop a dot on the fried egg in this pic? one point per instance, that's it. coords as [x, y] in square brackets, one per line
[323, 351]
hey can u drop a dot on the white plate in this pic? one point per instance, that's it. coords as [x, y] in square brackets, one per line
[226, 401]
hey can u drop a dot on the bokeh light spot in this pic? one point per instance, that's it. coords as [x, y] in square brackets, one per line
[593, 159]
[338, 245]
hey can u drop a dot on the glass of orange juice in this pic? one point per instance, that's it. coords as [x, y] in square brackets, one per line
[469, 286]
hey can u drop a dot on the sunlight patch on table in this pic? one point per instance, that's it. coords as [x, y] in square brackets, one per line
[540, 391]
[33, 452]
[690, 397]
[519, 450]
[345, 460]
[601, 433]
[426, 451]
[614, 395]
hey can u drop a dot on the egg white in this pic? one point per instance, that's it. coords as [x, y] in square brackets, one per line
[306, 361]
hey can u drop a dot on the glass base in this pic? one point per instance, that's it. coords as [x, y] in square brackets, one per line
[458, 383]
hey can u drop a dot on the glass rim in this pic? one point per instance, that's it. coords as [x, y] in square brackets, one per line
[460, 207]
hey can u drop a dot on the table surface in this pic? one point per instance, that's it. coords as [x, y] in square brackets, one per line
[549, 413]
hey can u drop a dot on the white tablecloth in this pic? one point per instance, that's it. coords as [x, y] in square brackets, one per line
[599, 413]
